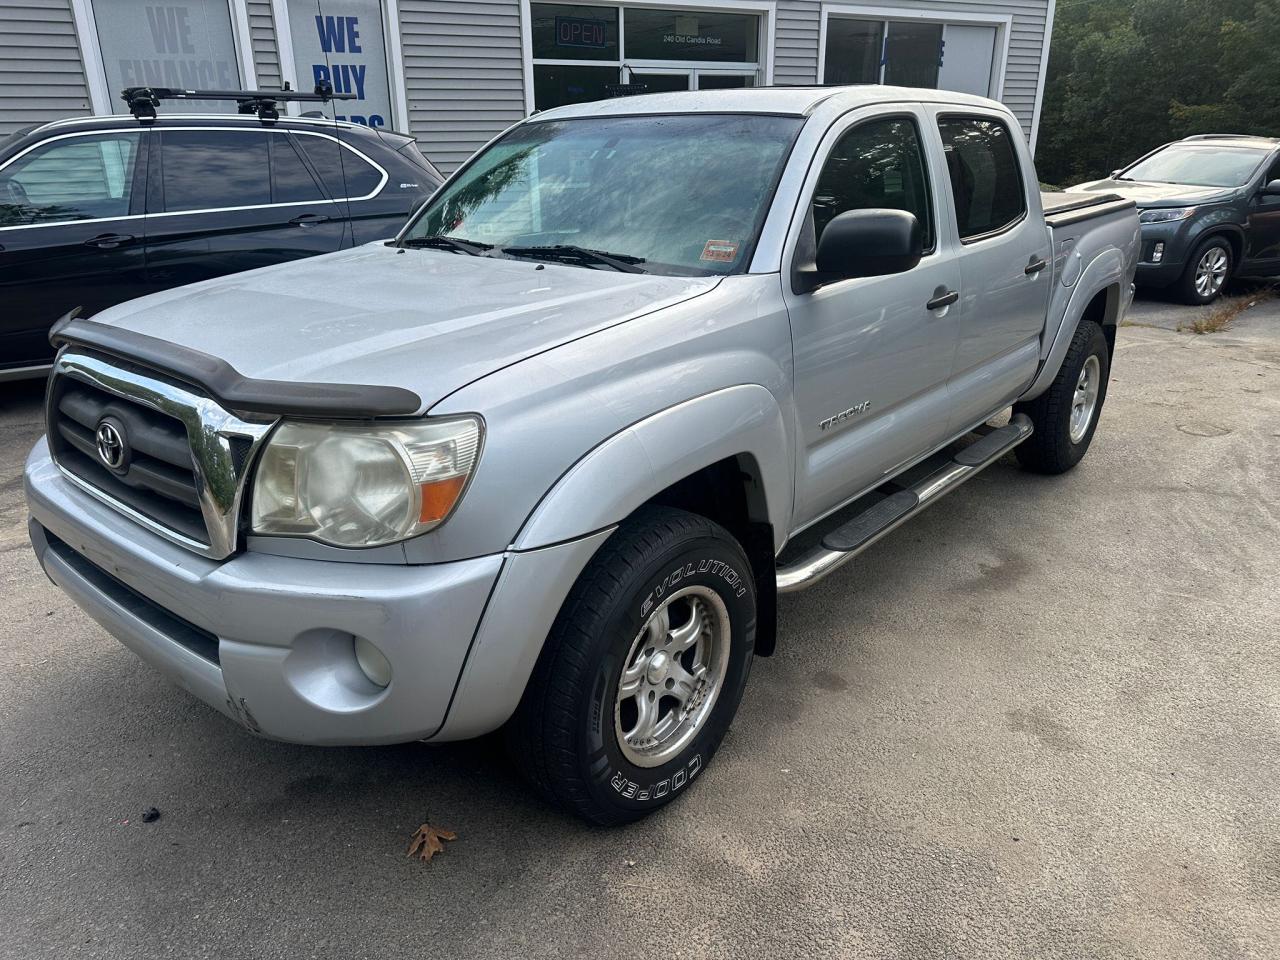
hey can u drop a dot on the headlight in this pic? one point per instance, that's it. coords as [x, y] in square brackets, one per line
[1165, 214]
[361, 485]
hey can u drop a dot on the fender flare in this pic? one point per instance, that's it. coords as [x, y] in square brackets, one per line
[1105, 272]
[630, 467]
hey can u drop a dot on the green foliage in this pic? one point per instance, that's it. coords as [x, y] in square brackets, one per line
[1128, 75]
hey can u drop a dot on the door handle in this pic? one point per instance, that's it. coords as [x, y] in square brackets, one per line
[1035, 266]
[308, 219]
[945, 300]
[108, 241]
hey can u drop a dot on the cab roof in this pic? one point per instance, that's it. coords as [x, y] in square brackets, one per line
[796, 101]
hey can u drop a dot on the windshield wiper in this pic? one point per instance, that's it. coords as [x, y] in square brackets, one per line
[568, 253]
[441, 242]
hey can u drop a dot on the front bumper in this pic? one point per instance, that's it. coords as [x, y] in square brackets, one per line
[268, 640]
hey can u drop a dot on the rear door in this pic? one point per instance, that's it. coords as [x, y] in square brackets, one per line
[71, 226]
[376, 206]
[222, 200]
[1005, 272]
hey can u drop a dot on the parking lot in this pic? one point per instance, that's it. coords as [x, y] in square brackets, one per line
[1040, 721]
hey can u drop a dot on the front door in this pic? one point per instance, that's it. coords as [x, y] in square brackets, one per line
[871, 357]
[71, 226]
[1263, 255]
[1005, 271]
[222, 200]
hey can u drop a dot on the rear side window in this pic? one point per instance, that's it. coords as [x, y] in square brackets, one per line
[208, 169]
[291, 181]
[986, 180]
[75, 178]
[344, 173]
[878, 164]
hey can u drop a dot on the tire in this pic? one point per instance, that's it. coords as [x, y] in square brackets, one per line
[569, 734]
[1058, 444]
[1213, 259]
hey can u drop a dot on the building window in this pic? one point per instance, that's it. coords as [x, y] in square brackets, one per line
[188, 45]
[911, 53]
[345, 45]
[583, 53]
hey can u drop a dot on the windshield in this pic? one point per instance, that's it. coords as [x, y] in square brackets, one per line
[1199, 165]
[682, 194]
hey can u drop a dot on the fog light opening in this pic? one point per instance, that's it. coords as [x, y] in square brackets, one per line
[1157, 252]
[372, 663]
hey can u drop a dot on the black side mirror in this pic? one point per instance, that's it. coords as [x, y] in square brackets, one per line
[864, 243]
[1271, 189]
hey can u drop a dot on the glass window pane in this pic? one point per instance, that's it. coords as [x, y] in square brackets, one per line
[344, 44]
[853, 51]
[207, 169]
[80, 178]
[662, 82]
[343, 172]
[563, 31]
[187, 45]
[691, 35]
[291, 181]
[985, 177]
[912, 53]
[876, 165]
[686, 193]
[711, 81]
[556, 86]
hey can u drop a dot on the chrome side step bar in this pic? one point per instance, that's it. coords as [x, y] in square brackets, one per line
[847, 541]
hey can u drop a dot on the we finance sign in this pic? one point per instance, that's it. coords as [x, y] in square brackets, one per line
[344, 44]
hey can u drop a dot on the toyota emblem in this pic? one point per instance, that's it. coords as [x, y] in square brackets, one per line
[111, 446]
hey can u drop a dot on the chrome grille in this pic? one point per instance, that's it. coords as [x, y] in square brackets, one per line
[185, 460]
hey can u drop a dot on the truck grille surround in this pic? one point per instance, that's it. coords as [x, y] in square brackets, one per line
[160, 452]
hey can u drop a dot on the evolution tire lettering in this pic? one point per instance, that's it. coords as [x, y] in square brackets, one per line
[630, 790]
[717, 568]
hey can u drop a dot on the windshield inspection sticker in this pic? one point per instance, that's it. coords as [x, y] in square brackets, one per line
[724, 251]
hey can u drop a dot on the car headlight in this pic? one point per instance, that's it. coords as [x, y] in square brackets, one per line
[1165, 214]
[362, 484]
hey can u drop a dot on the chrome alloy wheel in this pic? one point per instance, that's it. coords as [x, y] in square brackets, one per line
[1085, 400]
[1211, 272]
[672, 676]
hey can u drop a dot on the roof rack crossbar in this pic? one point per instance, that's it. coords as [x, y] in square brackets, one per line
[142, 101]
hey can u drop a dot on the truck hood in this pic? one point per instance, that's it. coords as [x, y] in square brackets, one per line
[1156, 194]
[425, 320]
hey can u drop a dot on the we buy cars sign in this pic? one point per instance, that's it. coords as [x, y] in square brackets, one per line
[344, 44]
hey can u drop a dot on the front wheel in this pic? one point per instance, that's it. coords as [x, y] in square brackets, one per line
[1207, 272]
[643, 670]
[1066, 415]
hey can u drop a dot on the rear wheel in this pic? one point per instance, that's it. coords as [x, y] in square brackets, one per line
[643, 670]
[1066, 415]
[1207, 272]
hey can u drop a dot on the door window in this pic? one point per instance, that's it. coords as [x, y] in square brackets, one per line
[77, 178]
[986, 180]
[879, 164]
[210, 169]
[291, 181]
[344, 172]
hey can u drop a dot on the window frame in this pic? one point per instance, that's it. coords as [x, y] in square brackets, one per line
[157, 165]
[1013, 224]
[138, 188]
[930, 181]
[765, 10]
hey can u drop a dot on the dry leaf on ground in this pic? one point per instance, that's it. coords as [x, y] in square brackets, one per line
[425, 842]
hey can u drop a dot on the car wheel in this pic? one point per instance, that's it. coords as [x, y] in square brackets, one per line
[1207, 272]
[643, 669]
[1066, 415]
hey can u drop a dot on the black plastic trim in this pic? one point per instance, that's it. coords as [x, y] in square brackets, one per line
[230, 387]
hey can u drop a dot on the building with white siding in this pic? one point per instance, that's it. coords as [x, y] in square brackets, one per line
[456, 72]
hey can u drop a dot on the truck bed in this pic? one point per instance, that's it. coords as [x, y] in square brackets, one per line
[1062, 209]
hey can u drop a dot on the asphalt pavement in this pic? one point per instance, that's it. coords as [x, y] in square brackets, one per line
[1039, 721]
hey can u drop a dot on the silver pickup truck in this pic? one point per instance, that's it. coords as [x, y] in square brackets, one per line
[545, 461]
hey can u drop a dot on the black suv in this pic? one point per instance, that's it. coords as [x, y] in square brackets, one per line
[98, 210]
[1210, 210]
